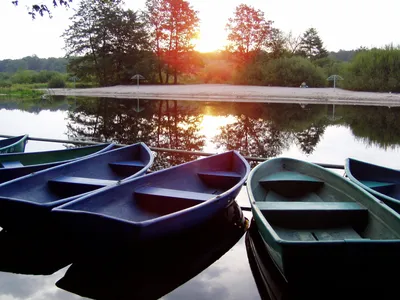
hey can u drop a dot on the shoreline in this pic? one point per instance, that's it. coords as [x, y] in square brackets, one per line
[236, 93]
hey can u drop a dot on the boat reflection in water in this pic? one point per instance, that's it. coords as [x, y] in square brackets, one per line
[32, 253]
[151, 270]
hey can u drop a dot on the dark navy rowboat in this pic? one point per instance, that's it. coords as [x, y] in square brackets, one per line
[383, 183]
[158, 204]
[14, 165]
[12, 145]
[28, 199]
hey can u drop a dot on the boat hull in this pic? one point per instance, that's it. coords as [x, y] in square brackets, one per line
[13, 145]
[158, 204]
[17, 165]
[381, 182]
[29, 208]
[316, 223]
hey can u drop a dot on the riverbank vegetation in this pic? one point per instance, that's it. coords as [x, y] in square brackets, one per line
[106, 44]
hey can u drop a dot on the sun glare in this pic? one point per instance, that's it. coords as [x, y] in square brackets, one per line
[210, 127]
[209, 40]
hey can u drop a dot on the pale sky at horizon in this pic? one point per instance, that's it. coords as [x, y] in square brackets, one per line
[341, 24]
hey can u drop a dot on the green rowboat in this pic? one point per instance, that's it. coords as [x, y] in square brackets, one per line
[316, 224]
[20, 164]
[13, 145]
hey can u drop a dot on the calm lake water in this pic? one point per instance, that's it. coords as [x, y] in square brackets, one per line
[317, 133]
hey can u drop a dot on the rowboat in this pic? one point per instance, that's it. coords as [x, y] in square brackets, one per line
[140, 272]
[316, 224]
[29, 199]
[158, 204]
[17, 165]
[383, 183]
[12, 145]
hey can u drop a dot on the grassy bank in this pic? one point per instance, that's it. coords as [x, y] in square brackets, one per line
[23, 90]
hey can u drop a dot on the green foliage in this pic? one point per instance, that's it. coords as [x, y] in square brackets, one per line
[33, 63]
[375, 70]
[23, 90]
[105, 42]
[57, 81]
[292, 72]
[311, 45]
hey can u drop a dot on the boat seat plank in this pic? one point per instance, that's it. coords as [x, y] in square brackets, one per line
[127, 168]
[70, 180]
[129, 163]
[317, 206]
[220, 179]
[314, 214]
[11, 164]
[291, 184]
[163, 201]
[172, 193]
[376, 184]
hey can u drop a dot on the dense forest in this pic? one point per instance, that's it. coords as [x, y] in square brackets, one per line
[107, 44]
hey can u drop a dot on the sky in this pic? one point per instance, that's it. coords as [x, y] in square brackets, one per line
[341, 24]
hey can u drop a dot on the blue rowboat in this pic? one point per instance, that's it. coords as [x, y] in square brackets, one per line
[12, 145]
[27, 201]
[16, 165]
[316, 224]
[138, 271]
[158, 204]
[383, 183]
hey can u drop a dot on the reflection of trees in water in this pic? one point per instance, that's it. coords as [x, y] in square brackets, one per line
[177, 127]
[253, 137]
[161, 123]
[373, 125]
[268, 129]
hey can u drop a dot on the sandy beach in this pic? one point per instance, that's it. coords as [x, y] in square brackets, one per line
[238, 93]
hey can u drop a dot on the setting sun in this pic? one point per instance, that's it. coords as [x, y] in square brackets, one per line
[209, 41]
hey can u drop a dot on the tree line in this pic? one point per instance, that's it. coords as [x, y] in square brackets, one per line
[108, 44]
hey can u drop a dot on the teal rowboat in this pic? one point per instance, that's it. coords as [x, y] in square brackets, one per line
[383, 183]
[15, 165]
[12, 145]
[316, 224]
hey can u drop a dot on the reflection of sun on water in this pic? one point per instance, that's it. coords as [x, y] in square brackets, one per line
[210, 127]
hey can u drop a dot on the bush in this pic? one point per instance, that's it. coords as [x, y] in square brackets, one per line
[292, 72]
[56, 81]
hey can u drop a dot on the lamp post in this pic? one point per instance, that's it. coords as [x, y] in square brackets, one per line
[137, 77]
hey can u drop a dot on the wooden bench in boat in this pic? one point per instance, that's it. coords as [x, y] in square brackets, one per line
[316, 214]
[11, 164]
[163, 201]
[69, 185]
[222, 179]
[127, 167]
[291, 184]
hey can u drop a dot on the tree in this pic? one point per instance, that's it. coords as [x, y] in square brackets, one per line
[311, 45]
[277, 44]
[248, 31]
[174, 24]
[105, 41]
[293, 43]
[41, 9]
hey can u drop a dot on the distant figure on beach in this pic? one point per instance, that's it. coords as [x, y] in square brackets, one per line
[304, 85]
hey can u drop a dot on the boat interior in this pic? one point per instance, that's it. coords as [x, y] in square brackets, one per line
[380, 179]
[75, 179]
[165, 192]
[304, 208]
[32, 158]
